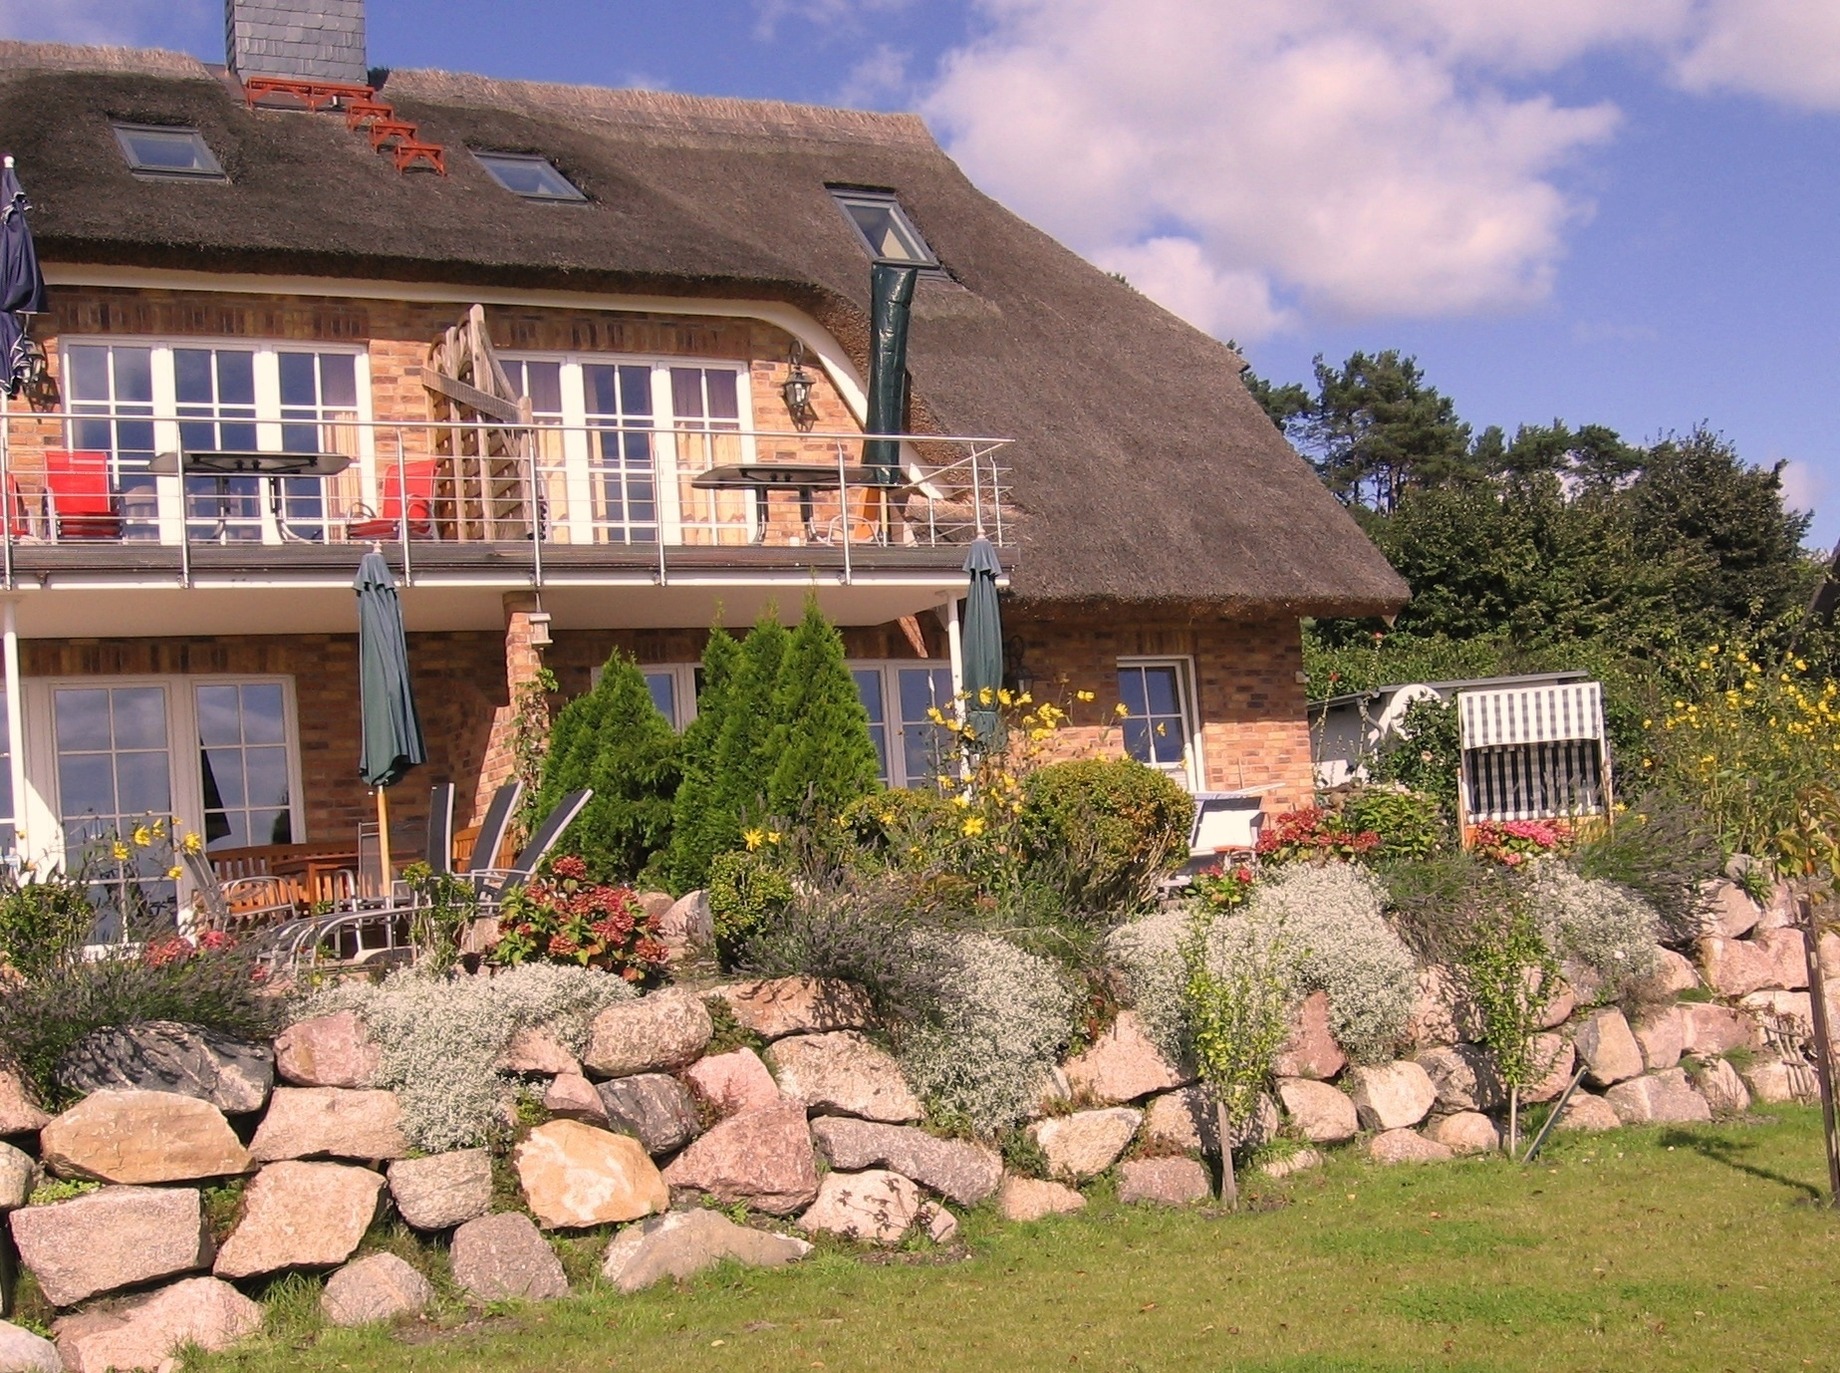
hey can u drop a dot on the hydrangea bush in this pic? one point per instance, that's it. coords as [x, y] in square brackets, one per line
[1004, 1017]
[1608, 928]
[442, 1038]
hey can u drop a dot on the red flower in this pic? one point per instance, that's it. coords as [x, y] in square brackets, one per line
[561, 946]
[570, 867]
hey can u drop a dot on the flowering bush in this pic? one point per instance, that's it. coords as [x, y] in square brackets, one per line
[1221, 888]
[1514, 842]
[177, 948]
[441, 1038]
[1004, 1016]
[1410, 823]
[564, 917]
[1313, 835]
[1148, 956]
[1607, 928]
[747, 888]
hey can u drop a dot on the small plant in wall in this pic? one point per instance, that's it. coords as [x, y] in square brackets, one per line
[1506, 966]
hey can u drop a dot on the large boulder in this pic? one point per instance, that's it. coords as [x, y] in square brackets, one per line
[1310, 1049]
[1465, 1078]
[1662, 1035]
[782, 1006]
[1086, 1143]
[575, 1175]
[1773, 1081]
[144, 1334]
[1708, 1031]
[655, 1108]
[732, 1082]
[1669, 975]
[1319, 1112]
[873, 1207]
[656, 1033]
[18, 1114]
[1031, 1198]
[573, 1097]
[1608, 1048]
[1726, 909]
[300, 1215]
[681, 1244]
[441, 1191]
[1558, 1006]
[16, 1173]
[504, 1257]
[1587, 1112]
[1122, 1065]
[1443, 1013]
[328, 1051]
[1554, 1059]
[762, 1158]
[963, 1172]
[166, 1056]
[1736, 966]
[1391, 1096]
[1662, 1098]
[118, 1237]
[379, 1288]
[1163, 1181]
[1723, 1089]
[1183, 1121]
[1298, 1161]
[23, 1352]
[688, 921]
[1466, 1132]
[1407, 1146]
[127, 1136]
[534, 1049]
[1787, 952]
[843, 1073]
[307, 1122]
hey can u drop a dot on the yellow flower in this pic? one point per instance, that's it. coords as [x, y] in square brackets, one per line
[1082, 696]
[1647, 723]
[192, 843]
[172, 873]
[936, 715]
[1025, 699]
[773, 836]
[142, 838]
[962, 801]
[984, 696]
[973, 826]
[1121, 710]
[1004, 698]
[120, 850]
[753, 838]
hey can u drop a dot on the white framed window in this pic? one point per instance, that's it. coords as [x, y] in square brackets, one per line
[913, 751]
[884, 226]
[674, 687]
[1161, 726]
[633, 434]
[528, 174]
[225, 394]
[158, 150]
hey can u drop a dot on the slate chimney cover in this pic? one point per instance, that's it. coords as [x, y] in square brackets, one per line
[320, 40]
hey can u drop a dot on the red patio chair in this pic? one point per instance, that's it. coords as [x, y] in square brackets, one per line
[78, 497]
[418, 484]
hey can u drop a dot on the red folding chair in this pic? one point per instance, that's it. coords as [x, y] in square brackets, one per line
[417, 483]
[77, 493]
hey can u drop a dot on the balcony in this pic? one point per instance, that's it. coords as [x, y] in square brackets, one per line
[534, 504]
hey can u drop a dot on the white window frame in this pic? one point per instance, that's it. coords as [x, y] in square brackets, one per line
[208, 168]
[43, 808]
[890, 669]
[267, 369]
[577, 450]
[683, 689]
[1192, 771]
[488, 158]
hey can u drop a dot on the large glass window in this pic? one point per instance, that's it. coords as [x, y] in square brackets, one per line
[1159, 725]
[163, 151]
[215, 394]
[870, 688]
[243, 764]
[319, 409]
[706, 410]
[885, 228]
[528, 175]
[913, 751]
[619, 407]
[113, 382]
[114, 775]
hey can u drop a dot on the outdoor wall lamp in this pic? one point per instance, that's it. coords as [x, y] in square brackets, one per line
[797, 390]
[34, 375]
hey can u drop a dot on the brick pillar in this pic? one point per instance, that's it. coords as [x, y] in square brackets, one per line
[526, 632]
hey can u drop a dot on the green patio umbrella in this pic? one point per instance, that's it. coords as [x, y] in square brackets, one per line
[391, 729]
[981, 644]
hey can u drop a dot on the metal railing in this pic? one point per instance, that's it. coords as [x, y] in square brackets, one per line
[430, 486]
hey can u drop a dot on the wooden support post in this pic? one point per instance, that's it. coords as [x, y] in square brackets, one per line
[1823, 1044]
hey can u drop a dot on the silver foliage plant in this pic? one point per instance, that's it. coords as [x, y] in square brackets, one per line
[1606, 927]
[442, 1037]
[1148, 952]
[1004, 1017]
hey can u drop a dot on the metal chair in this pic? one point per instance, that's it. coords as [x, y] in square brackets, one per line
[493, 829]
[238, 904]
[493, 884]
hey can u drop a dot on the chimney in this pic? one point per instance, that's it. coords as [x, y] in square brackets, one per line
[315, 40]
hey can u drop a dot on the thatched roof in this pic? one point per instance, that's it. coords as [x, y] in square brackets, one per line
[1144, 470]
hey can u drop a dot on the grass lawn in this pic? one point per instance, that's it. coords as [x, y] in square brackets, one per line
[1654, 1249]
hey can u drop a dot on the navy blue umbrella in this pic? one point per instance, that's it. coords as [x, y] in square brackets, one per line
[22, 285]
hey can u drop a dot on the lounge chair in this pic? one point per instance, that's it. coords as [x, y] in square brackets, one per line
[1226, 826]
[494, 828]
[417, 487]
[239, 905]
[493, 884]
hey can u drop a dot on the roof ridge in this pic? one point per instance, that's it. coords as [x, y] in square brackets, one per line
[671, 111]
[99, 57]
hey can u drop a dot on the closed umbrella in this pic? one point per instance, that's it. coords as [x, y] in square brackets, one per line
[22, 285]
[891, 298]
[982, 641]
[391, 729]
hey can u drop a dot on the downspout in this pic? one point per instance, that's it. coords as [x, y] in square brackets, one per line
[15, 722]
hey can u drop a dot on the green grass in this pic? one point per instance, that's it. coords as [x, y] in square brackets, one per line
[1653, 1250]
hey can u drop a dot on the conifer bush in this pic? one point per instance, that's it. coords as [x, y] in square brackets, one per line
[699, 826]
[744, 755]
[614, 740]
[824, 757]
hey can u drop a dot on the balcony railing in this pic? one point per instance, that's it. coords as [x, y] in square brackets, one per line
[523, 491]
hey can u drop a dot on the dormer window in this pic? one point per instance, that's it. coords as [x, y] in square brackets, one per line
[885, 228]
[528, 175]
[162, 151]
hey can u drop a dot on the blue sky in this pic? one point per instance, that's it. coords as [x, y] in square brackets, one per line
[1619, 213]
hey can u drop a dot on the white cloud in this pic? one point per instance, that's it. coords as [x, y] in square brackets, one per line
[95, 21]
[1177, 275]
[819, 14]
[1803, 485]
[877, 79]
[1786, 50]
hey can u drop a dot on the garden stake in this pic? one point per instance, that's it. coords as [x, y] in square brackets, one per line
[1552, 1120]
[1823, 1046]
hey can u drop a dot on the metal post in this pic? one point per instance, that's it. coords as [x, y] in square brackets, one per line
[15, 720]
[402, 507]
[977, 496]
[843, 510]
[6, 486]
[1823, 1044]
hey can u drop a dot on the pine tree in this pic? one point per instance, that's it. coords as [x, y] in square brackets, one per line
[744, 749]
[825, 757]
[615, 741]
[698, 828]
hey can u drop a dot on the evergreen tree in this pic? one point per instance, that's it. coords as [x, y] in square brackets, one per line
[825, 757]
[698, 828]
[614, 740]
[744, 748]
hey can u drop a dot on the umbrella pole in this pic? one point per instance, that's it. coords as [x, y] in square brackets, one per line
[383, 843]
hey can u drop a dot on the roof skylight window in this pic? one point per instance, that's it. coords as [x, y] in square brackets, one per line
[528, 175]
[884, 226]
[159, 150]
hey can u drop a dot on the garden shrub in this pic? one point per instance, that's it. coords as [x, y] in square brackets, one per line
[1608, 928]
[744, 756]
[1426, 755]
[916, 829]
[698, 830]
[1148, 955]
[1431, 902]
[1514, 842]
[824, 756]
[747, 889]
[441, 1038]
[1109, 830]
[614, 740]
[1332, 915]
[1410, 823]
[1661, 850]
[563, 916]
[211, 983]
[1505, 965]
[1002, 1019]
[44, 919]
[1312, 834]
